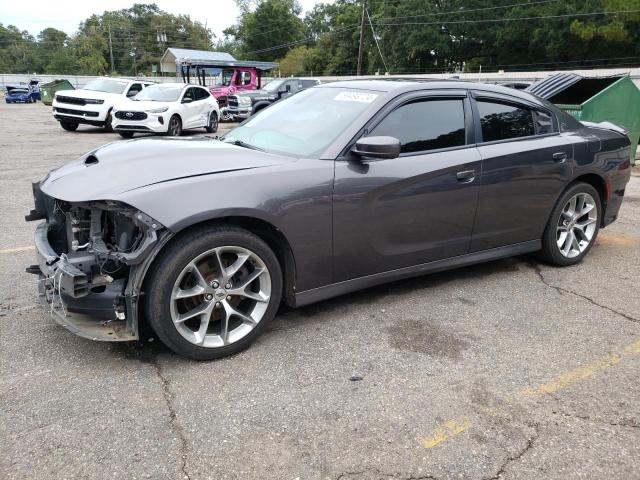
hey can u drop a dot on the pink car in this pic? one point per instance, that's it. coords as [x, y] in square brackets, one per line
[232, 80]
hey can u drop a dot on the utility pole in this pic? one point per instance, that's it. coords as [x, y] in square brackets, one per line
[110, 49]
[360, 47]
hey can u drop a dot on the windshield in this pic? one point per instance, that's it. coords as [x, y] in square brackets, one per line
[18, 91]
[273, 85]
[224, 79]
[160, 93]
[305, 124]
[107, 85]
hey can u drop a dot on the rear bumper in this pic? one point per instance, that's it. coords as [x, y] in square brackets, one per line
[91, 315]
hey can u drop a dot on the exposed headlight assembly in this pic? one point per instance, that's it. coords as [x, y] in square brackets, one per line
[244, 100]
[158, 110]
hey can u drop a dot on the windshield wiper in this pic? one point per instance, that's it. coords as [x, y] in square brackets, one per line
[241, 143]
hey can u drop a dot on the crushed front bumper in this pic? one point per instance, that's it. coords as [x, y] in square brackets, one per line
[93, 315]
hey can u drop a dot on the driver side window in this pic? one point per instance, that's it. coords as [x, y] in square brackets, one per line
[243, 79]
[425, 125]
[134, 89]
[189, 94]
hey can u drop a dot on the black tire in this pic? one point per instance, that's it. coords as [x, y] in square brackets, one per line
[126, 134]
[107, 123]
[212, 127]
[69, 126]
[550, 252]
[169, 265]
[174, 128]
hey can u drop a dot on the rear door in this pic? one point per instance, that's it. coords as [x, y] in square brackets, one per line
[416, 208]
[526, 163]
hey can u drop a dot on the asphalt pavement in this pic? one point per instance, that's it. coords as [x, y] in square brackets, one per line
[507, 370]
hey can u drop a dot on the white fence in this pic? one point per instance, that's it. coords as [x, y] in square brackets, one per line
[78, 81]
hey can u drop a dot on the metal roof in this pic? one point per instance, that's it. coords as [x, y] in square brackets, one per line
[205, 63]
[186, 53]
[554, 84]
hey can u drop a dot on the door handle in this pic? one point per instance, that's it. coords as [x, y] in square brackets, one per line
[560, 157]
[466, 176]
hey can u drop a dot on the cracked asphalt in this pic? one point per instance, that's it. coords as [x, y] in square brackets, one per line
[507, 370]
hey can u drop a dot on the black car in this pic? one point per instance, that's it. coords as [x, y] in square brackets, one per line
[244, 104]
[335, 189]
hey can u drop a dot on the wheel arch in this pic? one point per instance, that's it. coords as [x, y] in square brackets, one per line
[597, 182]
[266, 231]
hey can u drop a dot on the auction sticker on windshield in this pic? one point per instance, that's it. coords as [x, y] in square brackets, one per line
[356, 97]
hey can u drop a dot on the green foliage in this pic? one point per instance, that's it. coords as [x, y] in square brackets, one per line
[415, 36]
[135, 39]
[272, 22]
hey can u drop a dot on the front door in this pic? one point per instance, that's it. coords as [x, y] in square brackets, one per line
[190, 110]
[414, 209]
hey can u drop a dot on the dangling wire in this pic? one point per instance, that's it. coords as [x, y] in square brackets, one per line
[386, 70]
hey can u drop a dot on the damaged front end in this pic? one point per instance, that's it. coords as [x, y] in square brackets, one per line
[92, 257]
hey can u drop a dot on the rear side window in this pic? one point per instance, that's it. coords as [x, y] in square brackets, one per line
[500, 121]
[425, 125]
[309, 83]
[544, 122]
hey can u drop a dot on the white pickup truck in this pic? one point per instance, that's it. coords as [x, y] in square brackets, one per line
[92, 104]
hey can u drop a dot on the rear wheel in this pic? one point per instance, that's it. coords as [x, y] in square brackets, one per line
[573, 226]
[212, 127]
[69, 126]
[175, 127]
[126, 134]
[212, 291]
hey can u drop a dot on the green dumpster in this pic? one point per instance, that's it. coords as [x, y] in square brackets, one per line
[48, 90]
[606, 99]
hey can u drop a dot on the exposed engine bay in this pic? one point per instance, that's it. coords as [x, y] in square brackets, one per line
[91, 258]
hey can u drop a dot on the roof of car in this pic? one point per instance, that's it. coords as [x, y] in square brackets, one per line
[401, 86]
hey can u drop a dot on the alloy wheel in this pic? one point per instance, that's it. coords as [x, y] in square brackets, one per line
[220, 296]
[577, 225]
[213, 121]
[174, 127]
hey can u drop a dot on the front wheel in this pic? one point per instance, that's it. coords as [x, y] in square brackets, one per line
[225, 115]
[212, 291]
[212, 127]
[175, 127]
[573, 226]
[69, 126]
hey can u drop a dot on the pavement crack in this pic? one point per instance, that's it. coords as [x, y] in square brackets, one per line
[514, 458]
[174, 425]
[562, 290]
[629, 424]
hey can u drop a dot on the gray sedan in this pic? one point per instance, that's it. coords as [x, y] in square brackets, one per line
[335, 189]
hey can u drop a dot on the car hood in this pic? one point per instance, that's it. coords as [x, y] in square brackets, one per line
[257, 94]
[90, 94]
[140, 106]
[119, 167]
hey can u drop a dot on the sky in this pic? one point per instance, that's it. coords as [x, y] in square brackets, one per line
[66, 15]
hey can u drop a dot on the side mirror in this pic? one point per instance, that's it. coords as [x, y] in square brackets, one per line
[187, 100]
[132, 93]
[377, 147]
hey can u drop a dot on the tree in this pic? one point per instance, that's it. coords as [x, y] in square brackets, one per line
[273, 23]
[294, 61]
